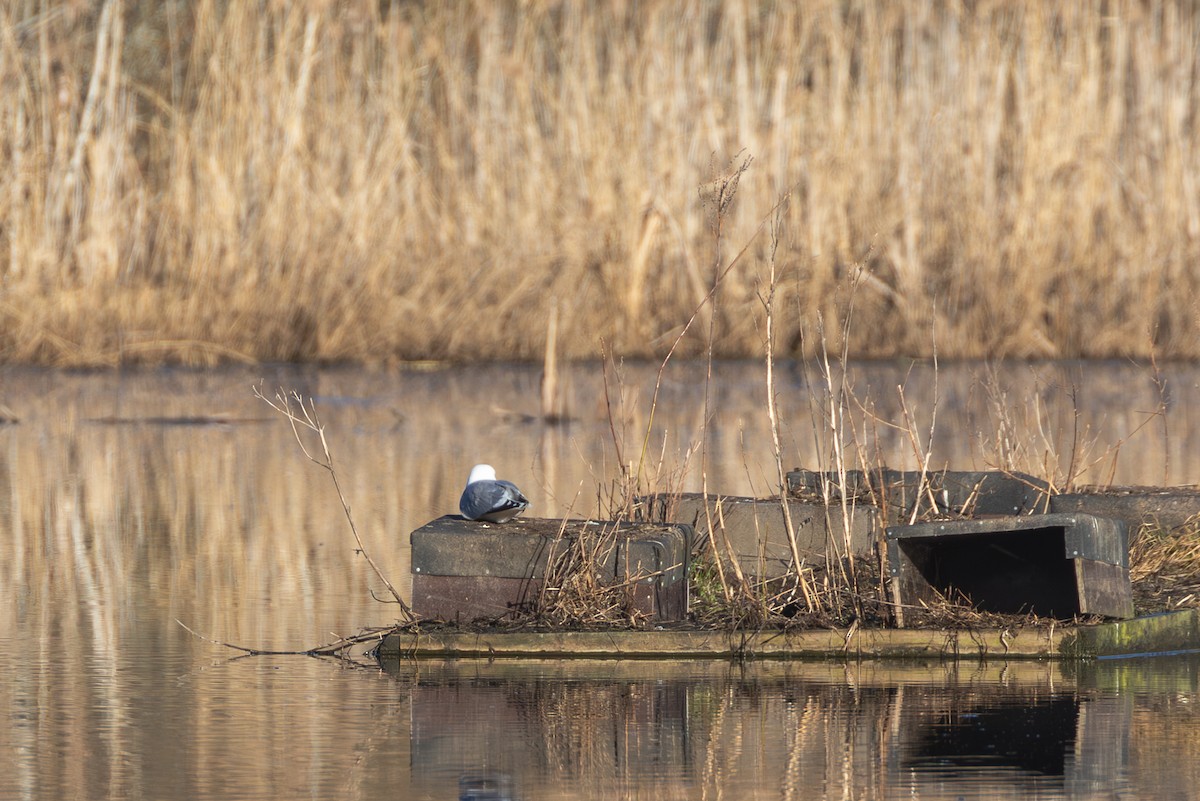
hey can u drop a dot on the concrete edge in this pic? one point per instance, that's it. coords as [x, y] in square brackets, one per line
[1164, 633]
[1170, 632]
[1041, 643]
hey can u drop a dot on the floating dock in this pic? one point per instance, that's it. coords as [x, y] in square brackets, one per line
[998, 539]
[1170, 632]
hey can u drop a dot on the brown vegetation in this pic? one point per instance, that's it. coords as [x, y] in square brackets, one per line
[379, 182]
[1165, 566]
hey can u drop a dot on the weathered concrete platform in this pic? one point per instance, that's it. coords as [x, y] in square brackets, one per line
[757, 533]
[464, 570]
[1059, 564]
[1171, 632]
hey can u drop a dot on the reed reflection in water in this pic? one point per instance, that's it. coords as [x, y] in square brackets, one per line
[131, 500]
[799, 730]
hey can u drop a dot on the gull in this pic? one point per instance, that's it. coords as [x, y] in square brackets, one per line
[487, 498]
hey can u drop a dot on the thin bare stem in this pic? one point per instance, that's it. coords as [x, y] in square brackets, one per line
[1160, 385]
[844, 392]
[726, 190]
[922, 454]
[307, 419]
[334, 648]
[785, 506]
[725, 200]
[606, 360]
[553, 410]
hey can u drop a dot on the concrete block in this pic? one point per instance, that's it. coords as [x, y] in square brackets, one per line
[1161, 508]
[758, 534]
[1055, 565]
[465, 570]
[966, 493]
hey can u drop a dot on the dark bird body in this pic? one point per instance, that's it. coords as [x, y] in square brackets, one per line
[490, 499]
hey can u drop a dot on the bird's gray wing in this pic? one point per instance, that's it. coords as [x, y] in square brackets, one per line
[491, 500]
[513, 496]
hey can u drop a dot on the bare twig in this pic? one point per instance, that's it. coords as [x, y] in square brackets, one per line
[1160, 384]
[922, 454]
[726, 191]
[334, 648]
[768, 304]
[607, 360]
[306, 418]
[553, 409]
[724, 201]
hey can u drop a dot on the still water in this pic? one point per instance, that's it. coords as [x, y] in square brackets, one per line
[132, 503]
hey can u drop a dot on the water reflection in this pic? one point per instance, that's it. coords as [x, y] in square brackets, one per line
[116, 522]
[485, 787]
[871, 730]
[1027, 736]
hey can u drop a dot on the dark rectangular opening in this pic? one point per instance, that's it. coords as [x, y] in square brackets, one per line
[1011, 572]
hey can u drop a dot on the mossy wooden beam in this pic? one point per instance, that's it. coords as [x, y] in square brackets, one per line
[1167, 633]
[826, 643]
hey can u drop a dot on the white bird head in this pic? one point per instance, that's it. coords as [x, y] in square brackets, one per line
[482, 472]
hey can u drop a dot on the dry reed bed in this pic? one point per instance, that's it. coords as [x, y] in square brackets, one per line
[370, 182]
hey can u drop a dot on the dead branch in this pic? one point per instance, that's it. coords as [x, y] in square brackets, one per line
[334, 648]
[307, 418]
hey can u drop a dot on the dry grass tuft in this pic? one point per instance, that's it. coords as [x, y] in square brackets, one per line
[377, 182]
[957, 613]
[575, 591]
[1165, 567]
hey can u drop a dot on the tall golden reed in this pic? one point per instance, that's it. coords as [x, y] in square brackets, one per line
[385, 181]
